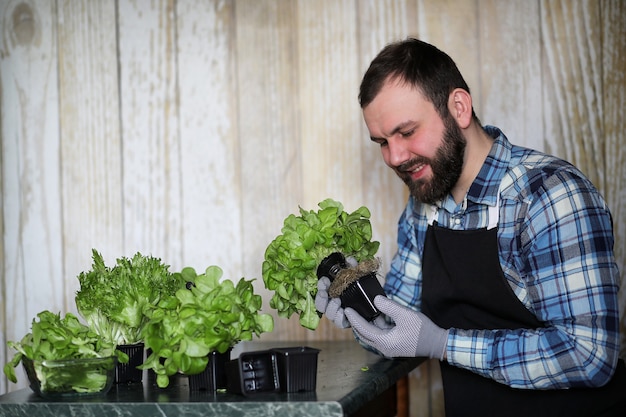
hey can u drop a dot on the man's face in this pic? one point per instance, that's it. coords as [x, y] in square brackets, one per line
[425, 151]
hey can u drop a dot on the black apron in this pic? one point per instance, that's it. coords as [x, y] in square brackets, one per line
[464, 287]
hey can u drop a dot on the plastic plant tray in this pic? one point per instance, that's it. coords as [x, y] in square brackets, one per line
[288, 369]
[253, 372]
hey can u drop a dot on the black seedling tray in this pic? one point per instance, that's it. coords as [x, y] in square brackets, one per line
[291, 369]
[252, 372]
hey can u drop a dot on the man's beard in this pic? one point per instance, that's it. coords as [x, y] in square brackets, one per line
[446, 167]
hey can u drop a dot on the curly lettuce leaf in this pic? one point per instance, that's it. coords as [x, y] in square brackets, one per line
[115, 301]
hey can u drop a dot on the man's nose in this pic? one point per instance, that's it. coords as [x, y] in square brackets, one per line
[398, 153]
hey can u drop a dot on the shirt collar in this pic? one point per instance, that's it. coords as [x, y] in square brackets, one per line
[484, 189]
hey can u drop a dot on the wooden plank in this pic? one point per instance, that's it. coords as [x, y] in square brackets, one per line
[613, 99]
[209, 144]
[426, 390]
[31, 260]
[91, 174]
[573, 84]
[150, 130]
[331, 146]
[329, 115]
[272, 188]
[453, 27]
[509, 63]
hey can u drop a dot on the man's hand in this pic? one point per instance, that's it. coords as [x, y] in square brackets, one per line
[331, 307]
[414, 334]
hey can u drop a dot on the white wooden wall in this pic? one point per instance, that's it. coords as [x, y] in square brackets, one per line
[189, 129]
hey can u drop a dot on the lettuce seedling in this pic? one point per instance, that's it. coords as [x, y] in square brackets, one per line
[56, 338]
[208, 316]
[292, 258]
[115, 301]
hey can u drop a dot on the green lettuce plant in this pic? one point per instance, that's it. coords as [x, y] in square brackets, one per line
[208, 316]
[115, 301]
[292, 258]
[52, 338]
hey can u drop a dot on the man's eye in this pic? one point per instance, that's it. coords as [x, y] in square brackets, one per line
[407, 134]
[380, 141]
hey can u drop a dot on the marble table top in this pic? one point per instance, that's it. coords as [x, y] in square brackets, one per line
[348, 376]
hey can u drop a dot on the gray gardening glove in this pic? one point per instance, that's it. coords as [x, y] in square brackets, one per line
[331, 307]
[414, 334]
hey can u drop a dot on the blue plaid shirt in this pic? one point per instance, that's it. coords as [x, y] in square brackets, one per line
[556, 250]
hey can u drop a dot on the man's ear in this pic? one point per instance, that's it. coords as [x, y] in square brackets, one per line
[460, 107]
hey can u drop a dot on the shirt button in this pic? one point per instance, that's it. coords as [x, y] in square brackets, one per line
[457, 221]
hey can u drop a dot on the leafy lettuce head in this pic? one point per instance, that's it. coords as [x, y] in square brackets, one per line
[114, 301]
[292, 258]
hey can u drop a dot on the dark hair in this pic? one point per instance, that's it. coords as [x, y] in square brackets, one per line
[420, 65]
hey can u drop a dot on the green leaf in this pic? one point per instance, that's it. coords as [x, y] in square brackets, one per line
[53, 337]
[291, 259]
[116, 301]
[265, 323]
[213, 315]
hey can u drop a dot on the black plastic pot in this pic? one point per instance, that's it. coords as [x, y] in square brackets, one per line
[126, 373]
[331, 266]
[360, 294]
[297, 368]
[214, 375]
